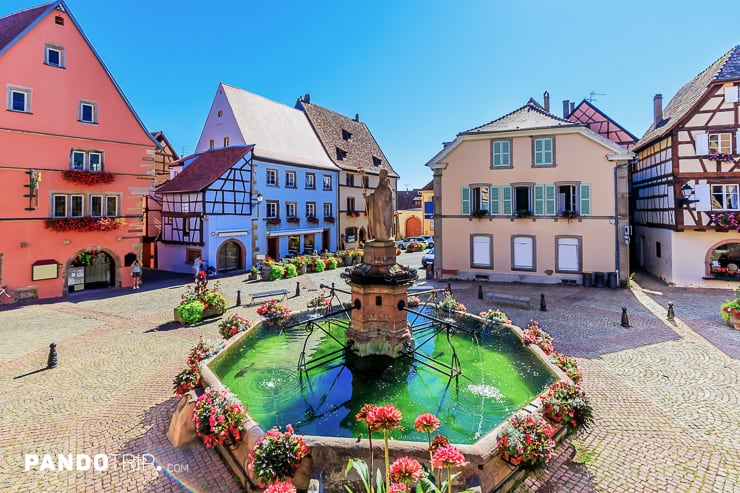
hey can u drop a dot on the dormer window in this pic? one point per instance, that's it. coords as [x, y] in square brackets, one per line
[54, 55]
[59, 20]
[88, 112]
[341, 154]
[346, 136]
[220, 113]
[377, 161]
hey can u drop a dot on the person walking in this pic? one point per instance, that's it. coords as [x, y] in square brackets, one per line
[197, 267]
[136, 273]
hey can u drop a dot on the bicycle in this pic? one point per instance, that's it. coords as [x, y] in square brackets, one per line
[15, 297]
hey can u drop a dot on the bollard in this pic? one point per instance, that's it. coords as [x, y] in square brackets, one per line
[480, 292]
[543, 303]
[297, 289]
[671, 314]
[625, 318]
[53, 360]
[238, 298]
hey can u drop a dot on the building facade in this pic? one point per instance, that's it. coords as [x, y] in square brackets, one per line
[76, 160]
[530, 197]
[686, 182]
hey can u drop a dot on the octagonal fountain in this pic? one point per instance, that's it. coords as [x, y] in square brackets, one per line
[316, 374]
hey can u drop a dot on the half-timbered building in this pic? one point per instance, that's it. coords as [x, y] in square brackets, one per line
[686, 181]
[293, 176]
[206, 209]
[598, 121]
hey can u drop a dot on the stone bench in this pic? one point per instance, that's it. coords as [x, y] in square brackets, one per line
[269, 294]
[509, 300]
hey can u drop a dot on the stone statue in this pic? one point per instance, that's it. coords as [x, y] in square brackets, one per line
[380, 209]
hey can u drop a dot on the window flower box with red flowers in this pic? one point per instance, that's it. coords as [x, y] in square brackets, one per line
[721, 157]
[329, 219]
[273, 221]
[312, 220]
[293, 220]
[726, 220]
[353, 214]
[85, 224]
[88, 177]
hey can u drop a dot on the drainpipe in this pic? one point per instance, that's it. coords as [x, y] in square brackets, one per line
[616, 220]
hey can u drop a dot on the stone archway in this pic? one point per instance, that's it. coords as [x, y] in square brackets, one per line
[104, 270]
[723, 254]
[413, 227]
[230, 255]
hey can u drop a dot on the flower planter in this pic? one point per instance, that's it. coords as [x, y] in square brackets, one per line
[252, 277]
[347, 261]
[302, 269]
[265, 273]
[514, 461]
[207, 313]
[734, 322]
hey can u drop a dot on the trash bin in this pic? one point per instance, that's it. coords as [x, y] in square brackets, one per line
[430, 271]
[599, 280]
[612, 280]
[588, 279]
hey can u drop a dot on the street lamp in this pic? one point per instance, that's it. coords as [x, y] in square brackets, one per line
[259, 198]
[687, 192]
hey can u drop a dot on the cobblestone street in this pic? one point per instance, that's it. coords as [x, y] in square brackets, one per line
[666, 393]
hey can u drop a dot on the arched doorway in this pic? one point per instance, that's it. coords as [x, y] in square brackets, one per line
[722, 260]
[362, 234]
[229, 256]
[413, 226]
[91, 269]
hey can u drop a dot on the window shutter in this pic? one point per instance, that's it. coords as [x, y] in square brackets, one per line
[549, 200]
[465, 209]
[493, 199]
[585, 199]
[539, 200]
[731, 94]
[737, 141]
[506, 200]
[701, 193]
[702, 144]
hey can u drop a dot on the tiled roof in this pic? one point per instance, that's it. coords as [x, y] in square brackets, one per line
[727, 67]
[529, 116]
[340, 133]
[14, 24]
[428, 186]
[405, 200]
[279, 132]
[599, 122]
[203, 169]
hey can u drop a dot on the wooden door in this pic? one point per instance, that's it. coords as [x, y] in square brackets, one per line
[99, 274]
[229, 256]
[413, 227]
[273, 250]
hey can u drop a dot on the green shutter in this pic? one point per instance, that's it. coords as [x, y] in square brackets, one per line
[506, 200]
[585, 200]
[539, 200]
[493, 200]
[549, 200]
[465, 201]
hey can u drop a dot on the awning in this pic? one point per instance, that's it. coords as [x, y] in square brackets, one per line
[294, 232]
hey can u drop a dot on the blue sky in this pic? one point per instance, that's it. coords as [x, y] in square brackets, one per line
[416, 72]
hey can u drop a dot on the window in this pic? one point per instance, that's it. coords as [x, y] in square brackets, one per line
[350, 204]
[294, 244]
[88, 112]
[350, 180]
[19, 99]
[290, 179]
[220, 113]
[658, 249]
[310, 209]
[186, 227]
[59, 20]
[96, 205]
[720, 142]
[523, 200]
[567, 199]
[191, 254]
[290, 209]
[543, 151]
[272, 177]
[501, 154]
[308, 243]
[341, 154]
[346, 135]
[725, 197]
[272, 209]
[76, 208]
[86, 160]
[54, 55]
[481, 251]
[226, 142]
[111, 206]
[60, 205]
[366, 181]
[568, 254]
[310, 181]
[211, 144]
[327, 209]
[377, 161]
[185, 207]
[351, 234]
[327, 182]
[522, 253]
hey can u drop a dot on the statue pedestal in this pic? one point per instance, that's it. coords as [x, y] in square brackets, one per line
[379, 328]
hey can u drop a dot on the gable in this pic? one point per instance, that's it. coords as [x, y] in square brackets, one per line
[598, 122]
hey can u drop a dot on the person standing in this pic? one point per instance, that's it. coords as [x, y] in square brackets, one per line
[136, 273]
[197, 267]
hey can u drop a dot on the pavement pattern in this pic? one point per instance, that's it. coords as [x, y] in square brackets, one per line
[666, 394]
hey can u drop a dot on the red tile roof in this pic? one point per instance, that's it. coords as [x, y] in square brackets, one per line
[204, 169]
[14, 24]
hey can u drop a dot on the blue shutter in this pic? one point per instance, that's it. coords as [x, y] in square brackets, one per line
[465, 208]
[585, 200]
[506, 200]
[539, 200]
[494, 201]
[549, 200]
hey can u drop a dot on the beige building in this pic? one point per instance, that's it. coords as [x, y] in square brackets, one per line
[531, 197]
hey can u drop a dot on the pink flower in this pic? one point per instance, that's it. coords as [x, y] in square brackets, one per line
[384, 418]
[448, 456]
[426, 422]
[397, 488]
[406, 469]
[281, 487]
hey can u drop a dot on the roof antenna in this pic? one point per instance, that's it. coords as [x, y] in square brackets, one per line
[591, 95]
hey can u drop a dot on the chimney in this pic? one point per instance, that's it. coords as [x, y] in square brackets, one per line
[357, 117]
[307, 98]
[657, 110]
[566, 108]
[546, 98]
[572, 106]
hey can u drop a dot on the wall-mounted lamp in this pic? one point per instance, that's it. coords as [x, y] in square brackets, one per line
[687, 193]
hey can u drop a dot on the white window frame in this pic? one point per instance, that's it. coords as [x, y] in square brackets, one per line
[327, 183]
[543, 157]
[311, 181]
[27, 98]
[94, 109]
[563, 246]
[48, 47]
[310, 209]
[108, 198]
[501, 158]
[226, 142]
[83, 154]
[481, 251]
[518, 257]
[271, 177]
[54, 205]
[99, 156]
[720, 142]
[272, 209]
[290, 209]
[87, 160]
[99, 212]
[328, 209]
[290, 179]
[72, 199]
[727, 196]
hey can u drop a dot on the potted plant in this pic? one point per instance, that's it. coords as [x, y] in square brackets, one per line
[569, 214]
[253, 273]
[568, 365]
[480, 213]
[567, 404]
[200, 302]
[533, 334]
[265, 268]
[186, 380]
[730, 311]
[720, 157]
[276, 456]
[219, 418]
[413, 301]
[495, 317]
[449, 304]
[274, 312]
[203, 350]
[526, 439]
[320, 303]
[233, 325]
[523, 213]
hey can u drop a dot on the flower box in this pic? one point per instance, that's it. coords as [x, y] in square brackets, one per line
[273, 221]
[293, 220]
[209, 312]
[84, 224]
[88, 177]
[329, 219]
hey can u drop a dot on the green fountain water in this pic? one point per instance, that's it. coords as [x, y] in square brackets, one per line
[499, 377]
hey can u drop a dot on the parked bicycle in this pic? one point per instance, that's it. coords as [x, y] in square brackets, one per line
[13, 295]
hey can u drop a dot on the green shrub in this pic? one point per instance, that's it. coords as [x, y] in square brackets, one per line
[332, 263]
[214, 299]
[276, 272]
[290, 271]
[190, 312]
[319, 265]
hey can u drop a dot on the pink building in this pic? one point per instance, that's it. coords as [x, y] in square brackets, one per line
[76, 161]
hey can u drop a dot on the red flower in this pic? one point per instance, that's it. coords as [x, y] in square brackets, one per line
[426, 423]
[448, 456]
[88, 177]
[384, 418]
[406, 469]
[281, 487]
[398, 488]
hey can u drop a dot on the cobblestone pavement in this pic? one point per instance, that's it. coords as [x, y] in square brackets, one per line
[666, 394]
